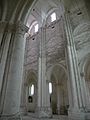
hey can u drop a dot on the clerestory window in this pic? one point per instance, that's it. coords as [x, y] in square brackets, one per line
[53, 17]
[36, 28]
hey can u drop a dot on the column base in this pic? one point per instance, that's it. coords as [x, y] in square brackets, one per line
[87, 116]
[23, 110]
[44, 112]
[76, 115]
[10, 117]
[87, 113]
[58, 110]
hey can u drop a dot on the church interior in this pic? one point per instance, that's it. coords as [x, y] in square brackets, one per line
[45, 60]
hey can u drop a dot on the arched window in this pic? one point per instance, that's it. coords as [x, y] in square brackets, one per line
[31, 90]
[50, 88]
[53, 17]
[36, 28]
[33, 29]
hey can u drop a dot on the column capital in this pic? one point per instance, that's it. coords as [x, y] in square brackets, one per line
[21, 28]
[17, 27]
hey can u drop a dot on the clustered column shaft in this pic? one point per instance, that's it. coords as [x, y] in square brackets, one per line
[14, 71]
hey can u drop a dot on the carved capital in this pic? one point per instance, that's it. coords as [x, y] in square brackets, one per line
[18, 28]
[21, 28]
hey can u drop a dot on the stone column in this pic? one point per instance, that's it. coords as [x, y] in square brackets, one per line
[27, 93]
[24, 94]
[87, 87]
[48, 97]
[4, 52]
[68, 82]
[42, 106]
[4, 44]
[77, 108]
[11, 103]
[24, 101]
[58, 99]
[35, 94]
[3, 26]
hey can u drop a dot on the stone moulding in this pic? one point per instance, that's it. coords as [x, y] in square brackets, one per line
[10, 118]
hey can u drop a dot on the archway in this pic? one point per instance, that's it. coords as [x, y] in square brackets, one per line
[59, 96]
[31, 95]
